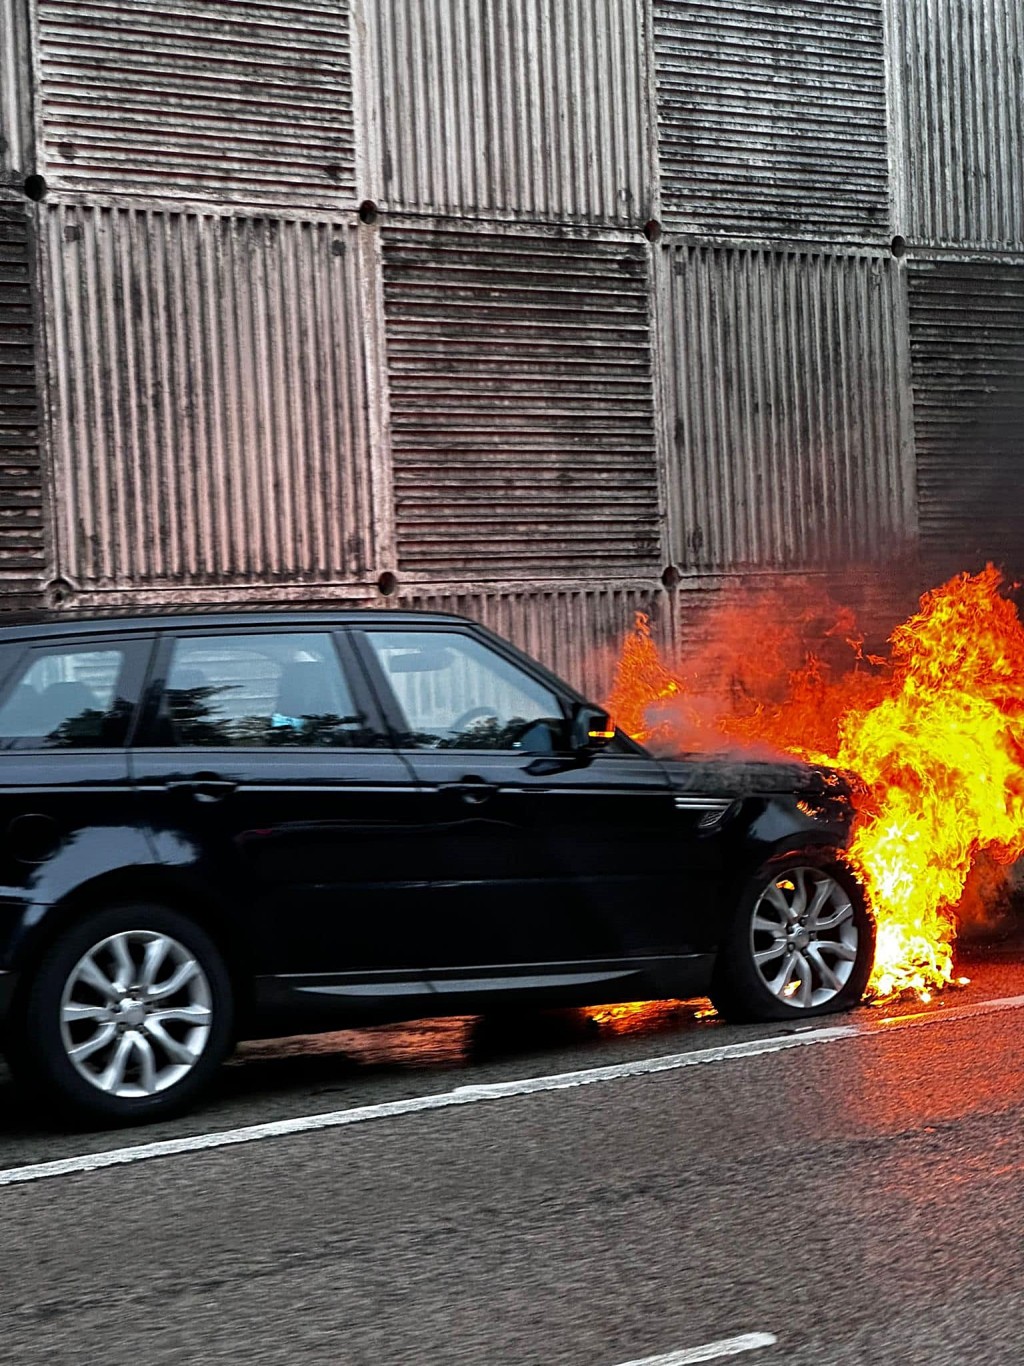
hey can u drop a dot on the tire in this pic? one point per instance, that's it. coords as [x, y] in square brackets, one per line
[126, 1018]
[800, 943]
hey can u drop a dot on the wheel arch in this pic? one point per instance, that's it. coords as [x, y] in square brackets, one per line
[757, 858]
[156, 886]
[812, 844]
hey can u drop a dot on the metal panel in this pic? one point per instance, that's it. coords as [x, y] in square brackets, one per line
[786, 425]
[209, 400]
[513, 106]
[967, 349]
[17, 146]
[521, 402]
[957, 89]
[772, 117]
[957, 86]
[22, 550]
[204, 98]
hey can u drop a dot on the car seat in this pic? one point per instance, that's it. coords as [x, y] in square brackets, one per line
[60, 702]
[305, 689]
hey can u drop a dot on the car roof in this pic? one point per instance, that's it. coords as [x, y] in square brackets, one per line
[42, 626]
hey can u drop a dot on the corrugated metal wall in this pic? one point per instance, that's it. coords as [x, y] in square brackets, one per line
[513, 107]
[250, 102]
[958, 115]
[788, 441]
[208, 398]
[500, 389]
[521, 404]
[772, 117]
[967, 345]
[22, 550]
[957, 86]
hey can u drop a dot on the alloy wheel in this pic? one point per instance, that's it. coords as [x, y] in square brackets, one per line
[804, 937]
[136, 1014]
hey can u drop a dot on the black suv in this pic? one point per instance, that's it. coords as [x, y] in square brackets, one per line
[239, 825]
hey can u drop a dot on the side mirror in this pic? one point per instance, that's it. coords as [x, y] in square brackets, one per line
[592, 728]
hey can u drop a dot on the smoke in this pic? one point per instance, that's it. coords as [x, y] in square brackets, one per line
[767, 669]
[988, 898]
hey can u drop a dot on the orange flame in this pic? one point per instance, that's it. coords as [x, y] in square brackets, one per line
[935, 733]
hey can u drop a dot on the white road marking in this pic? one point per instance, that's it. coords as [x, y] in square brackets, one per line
[711, 1351]
[461, 1095]
[469, 1095]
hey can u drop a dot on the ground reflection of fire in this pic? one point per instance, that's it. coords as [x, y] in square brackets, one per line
[645, 1017]
[934, 730]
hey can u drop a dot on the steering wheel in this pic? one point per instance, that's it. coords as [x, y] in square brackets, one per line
[471, 714]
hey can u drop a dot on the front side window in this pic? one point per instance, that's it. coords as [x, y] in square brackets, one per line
[274, 689]
[456, 693]
[64, 699]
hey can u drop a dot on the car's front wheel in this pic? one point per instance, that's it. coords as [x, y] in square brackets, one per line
[801, 941]
[126, 1018]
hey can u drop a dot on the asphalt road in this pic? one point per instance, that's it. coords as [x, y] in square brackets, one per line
[850, 1194]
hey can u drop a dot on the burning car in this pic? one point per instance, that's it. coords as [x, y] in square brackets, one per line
[224, 826]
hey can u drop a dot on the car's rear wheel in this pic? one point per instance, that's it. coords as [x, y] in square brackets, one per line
[126, 1018]
[801, 941]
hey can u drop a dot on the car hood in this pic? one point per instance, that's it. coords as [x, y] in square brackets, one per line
[727, 776]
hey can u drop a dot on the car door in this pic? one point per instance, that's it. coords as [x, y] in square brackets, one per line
[267, 777]
[67, 813]
[541, 855]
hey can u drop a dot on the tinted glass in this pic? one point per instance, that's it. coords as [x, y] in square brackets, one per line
[274, 689]
[456, 693]
[66, 698]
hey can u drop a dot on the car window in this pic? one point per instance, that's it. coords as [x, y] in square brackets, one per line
[456, 693]
[64, 698]
[274, 689]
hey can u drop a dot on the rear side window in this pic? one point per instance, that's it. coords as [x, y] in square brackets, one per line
[63, 699]
[256, 690]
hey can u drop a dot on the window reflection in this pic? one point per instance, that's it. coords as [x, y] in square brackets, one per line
[66, 699]
[252, 690]
[456, 693]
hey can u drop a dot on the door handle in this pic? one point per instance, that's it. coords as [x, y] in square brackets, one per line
[204, 787]
[471, 791]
